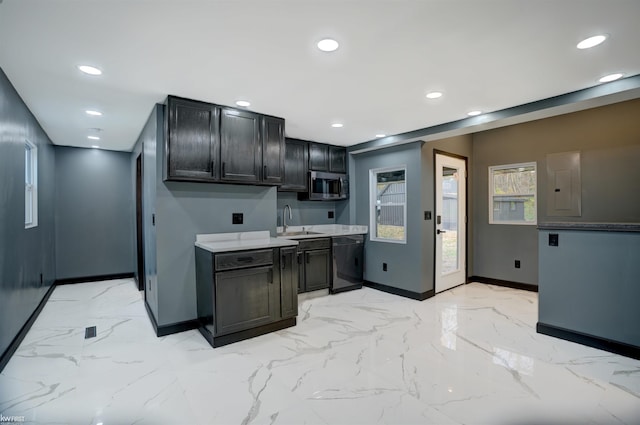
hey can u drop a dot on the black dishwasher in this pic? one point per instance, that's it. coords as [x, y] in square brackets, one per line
[348, 254]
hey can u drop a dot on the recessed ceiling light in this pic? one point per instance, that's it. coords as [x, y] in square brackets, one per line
[91, 70]
[93, 138]
[610, 77]
[434, 95]
[95, 146]
[336, 125]
[474, 113]
[590, 42]
[381, 135]
[243, 103]
[328, 45]
[93, 113]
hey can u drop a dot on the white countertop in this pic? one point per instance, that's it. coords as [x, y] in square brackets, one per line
[223, 242]
[324, 230]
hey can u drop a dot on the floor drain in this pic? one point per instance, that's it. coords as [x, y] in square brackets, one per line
[90, 332]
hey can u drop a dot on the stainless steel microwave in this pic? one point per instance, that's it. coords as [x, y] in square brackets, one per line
[327, 186]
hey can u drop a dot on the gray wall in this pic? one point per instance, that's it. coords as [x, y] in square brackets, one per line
[404, 261]
[589, 283]
[24, 253]
[94, 206]
[609, 141]
[306, 212]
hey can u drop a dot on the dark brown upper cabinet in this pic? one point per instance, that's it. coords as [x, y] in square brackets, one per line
[327, 158]
[240, 147]
[318, 157]
[211, 143]
[337, 159]
[295, 166]
[273, 150]
[192, 143]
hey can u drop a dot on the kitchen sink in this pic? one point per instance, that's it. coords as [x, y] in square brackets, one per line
[299, 233]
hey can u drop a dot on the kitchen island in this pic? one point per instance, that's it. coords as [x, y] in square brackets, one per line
[589, 286]
[246, 285]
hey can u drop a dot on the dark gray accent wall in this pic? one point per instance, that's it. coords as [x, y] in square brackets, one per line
[306, 212]
[589, 283]
[609, 142]
[94, 206]
[404, 261]
[25, 254]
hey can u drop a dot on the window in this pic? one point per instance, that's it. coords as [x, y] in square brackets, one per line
[30, 185]
[388, 212]
[512, 194]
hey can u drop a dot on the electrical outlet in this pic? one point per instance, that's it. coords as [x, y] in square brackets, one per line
[330, 214]
[384, 267]
[517, 264]
[237, 218]
[427, 215]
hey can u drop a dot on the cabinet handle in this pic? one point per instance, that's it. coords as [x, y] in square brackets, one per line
[299, 259]
[271, 276]
[283, 262]
[223, 172]
[306, 256]
[356, 258]
[245, 259]
[264, 173]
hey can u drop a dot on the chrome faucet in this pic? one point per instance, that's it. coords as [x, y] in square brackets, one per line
[284, 217]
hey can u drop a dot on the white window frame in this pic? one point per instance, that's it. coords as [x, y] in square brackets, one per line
[373, 195]
[30, 185]
[494, 168]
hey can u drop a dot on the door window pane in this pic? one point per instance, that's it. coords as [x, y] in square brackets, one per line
[450, 246]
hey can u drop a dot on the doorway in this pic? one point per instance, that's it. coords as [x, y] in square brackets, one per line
[139, 237]
[451, 221]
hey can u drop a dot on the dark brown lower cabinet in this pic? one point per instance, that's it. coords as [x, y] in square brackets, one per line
[256, 301]
[242, 294]
[314, 258]
[289, 282]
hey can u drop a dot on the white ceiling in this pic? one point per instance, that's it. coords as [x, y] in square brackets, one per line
[486, 55]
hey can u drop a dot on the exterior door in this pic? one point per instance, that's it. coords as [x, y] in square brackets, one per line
[451, 226]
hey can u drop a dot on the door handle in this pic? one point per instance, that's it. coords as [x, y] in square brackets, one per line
[438, 231]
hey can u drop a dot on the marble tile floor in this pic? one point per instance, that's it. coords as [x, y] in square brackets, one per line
[467, 356]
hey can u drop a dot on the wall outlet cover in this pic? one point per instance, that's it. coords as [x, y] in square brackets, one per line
[330, 214]
[517, 264]
[384, 267]
[237, 218]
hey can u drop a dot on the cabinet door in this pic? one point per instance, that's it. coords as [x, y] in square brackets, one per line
[337, 159]
[240, 150]
[318, 157]
[289, 282]
[317, 269]
[244, 299]
[273, 150]
[192, 142]
[295, 166]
